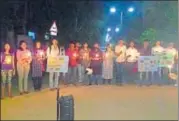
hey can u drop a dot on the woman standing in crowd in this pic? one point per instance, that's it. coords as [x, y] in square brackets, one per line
[73, 64]
[37, 66]
[24, 58]
[53, 51]
[157, 50]
[96, 64]
[84, 60]
[131, 57]
[7, 69]
[107, 71]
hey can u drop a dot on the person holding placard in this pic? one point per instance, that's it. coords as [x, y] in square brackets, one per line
[120, 52]
[157, 50]
[7, 69]
[132, 55]
[170, 50]
[145, 51]
[53, 52]
[37, 66]
[24, 58]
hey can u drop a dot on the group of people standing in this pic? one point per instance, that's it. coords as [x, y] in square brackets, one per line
[123, 58]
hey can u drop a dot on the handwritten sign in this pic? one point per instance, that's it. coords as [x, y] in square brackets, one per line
[147, 64]
[165, 59]
[57, 64]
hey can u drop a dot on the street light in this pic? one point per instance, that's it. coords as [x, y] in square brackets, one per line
[109, 29]
[112, 9]
[117, 29]
[131, 9]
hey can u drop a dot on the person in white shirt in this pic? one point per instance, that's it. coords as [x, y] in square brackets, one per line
[157, 49]
[53, 51]
[120, 52]
[132, 55]
[174, 52]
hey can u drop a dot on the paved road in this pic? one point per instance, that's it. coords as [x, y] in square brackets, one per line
[97, 102]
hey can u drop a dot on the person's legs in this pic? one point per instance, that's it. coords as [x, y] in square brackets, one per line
[35, 82]
[39, 83]
[79, 71]
[69, 76]
[56, 79]
[26, 75]
[51, 75]
[3, 83]
[75, 75]
[119, 76]
[20, 72]
[9, 82]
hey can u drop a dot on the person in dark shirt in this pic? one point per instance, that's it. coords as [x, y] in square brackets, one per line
[145, 50]
[96, 64]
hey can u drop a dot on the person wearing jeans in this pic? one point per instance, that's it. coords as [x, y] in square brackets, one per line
[132, 55]
[24, 58]
[145, 51]
[120, 52]
[84, 61]
[53, 51]
[7, 69]
[96, 64]
[73, 65]
[157, 50]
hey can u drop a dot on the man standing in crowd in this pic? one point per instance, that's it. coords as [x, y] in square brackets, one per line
[145, 51]
[131, 57]
[174, 53]
[120, 51]
[157, 50]
[73, 64]
[84, 61]
[96, 64]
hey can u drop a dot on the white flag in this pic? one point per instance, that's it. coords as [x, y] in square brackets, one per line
[53, 29]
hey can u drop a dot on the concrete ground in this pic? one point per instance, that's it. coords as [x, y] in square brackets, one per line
[97, 103]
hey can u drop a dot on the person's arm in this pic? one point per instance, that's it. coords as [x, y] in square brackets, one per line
[18, 53]
[30, 57]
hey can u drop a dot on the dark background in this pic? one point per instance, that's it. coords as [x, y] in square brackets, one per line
[88, 20]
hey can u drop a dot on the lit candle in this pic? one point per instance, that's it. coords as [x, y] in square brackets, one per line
[97, 55]
[74, 54]
[106, 54]
[41, 53]
[8, 60]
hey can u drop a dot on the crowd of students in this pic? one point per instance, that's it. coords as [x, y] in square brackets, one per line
[119, 63]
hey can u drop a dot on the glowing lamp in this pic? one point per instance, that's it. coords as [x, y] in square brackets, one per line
[8, 60]
[97, 55]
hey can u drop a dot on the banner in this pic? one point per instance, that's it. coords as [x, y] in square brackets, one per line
[57, 64]
[147, 64]
[165, 59]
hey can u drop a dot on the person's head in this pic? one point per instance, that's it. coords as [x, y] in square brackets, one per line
[146, 43]
[85, 45]
[108, 47]
[131, 44]
[38, 45]
[72, 46]
[171, 45]
[22, 45]
[158, 43]
[77, 45]
[7, 47]
[54, 42]
[121, 42]
[96, 46]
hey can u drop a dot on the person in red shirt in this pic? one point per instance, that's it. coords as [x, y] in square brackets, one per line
[73, 64]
